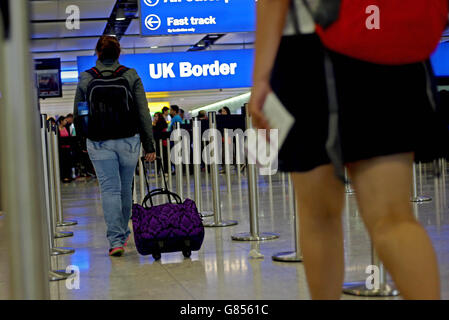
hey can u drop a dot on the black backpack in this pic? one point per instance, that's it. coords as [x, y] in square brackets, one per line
[112, 110]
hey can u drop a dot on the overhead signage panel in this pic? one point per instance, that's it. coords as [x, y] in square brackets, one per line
[187, 70]
[164, 17]
[440, 60]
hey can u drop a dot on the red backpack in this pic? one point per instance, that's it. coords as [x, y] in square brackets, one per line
[391, 32]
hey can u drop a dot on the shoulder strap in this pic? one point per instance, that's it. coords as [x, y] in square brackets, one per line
[94, 72]
[294, 15]
[120, 71]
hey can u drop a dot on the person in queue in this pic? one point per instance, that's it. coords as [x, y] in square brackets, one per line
[202, 115]
[115, 159]
[175, 117]
[225, 111]
[65, 153]
[70, 126]
[165, 113]
[156, 118]
[160, 133]
[181, 114]
[381, 170]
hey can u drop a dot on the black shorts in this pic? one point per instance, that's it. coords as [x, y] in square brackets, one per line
[382, 110]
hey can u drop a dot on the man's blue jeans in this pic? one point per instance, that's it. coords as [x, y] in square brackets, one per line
[115, 162]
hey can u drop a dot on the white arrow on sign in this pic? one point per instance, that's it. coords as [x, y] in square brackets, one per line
[151, 3]
[152, 22]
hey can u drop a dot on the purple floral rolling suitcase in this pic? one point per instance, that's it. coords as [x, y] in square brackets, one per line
[168, 227]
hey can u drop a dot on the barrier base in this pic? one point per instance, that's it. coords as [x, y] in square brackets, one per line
[360, 289]
[249, 237]
[421, 199]
[227, 223]
[206, 214]
[67, 223]
[61, 251]
[63, 234]
[290, 256]
[58, 275]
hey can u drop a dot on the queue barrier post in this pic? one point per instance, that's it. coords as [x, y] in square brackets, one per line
[415, 196]
[170, 181]
[254, 234]
[54, 181]
[228, 159]
[296, 255]
[218, 222]
[60, 222]
[178, 165]
[186, 153]
[348, 187]
[196, 137]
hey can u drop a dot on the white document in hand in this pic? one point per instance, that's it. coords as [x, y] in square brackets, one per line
[278, 117]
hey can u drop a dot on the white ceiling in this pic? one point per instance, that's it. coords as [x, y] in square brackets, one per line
[51, 39]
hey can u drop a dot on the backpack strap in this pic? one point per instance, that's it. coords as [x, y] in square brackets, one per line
[120, 71]
[94, 72]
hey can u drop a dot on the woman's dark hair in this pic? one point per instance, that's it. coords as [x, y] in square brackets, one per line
[60, 119]
[108, 47]
[227, 110]
[159, 127]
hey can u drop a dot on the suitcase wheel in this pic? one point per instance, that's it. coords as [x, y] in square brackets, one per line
[156, 256]
[187, 253]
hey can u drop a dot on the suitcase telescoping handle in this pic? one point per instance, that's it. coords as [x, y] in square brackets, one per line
[160, 191]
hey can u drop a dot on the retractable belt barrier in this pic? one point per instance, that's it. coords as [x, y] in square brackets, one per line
[51, 192]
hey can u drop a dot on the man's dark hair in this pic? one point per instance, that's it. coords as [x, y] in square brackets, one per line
[108, 47]
[165, 109]
[175, 108]
[202, 114]
[69, 115]
[181, 111]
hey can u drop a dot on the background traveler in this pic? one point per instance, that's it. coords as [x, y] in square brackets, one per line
[114, 136]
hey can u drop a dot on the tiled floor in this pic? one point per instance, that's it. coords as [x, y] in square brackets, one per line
[222, 269]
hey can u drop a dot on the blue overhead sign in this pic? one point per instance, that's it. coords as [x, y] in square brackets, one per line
[162, 17]
[440, 60]
[187, 70]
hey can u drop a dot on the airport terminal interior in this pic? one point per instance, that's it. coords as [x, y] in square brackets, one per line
[214, 72]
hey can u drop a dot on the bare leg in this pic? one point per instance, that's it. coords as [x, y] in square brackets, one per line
[383, 192]
[320, 203]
